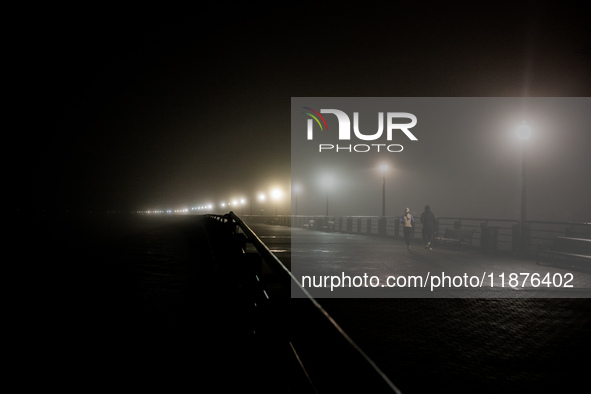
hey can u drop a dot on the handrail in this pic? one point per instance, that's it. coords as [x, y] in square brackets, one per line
[278, 267]
[506, 236]
[263, 250]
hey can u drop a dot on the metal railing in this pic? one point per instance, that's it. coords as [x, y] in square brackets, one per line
[327, 359]
[491, 235]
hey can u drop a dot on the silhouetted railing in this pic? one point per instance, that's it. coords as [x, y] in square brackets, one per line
[322, 356]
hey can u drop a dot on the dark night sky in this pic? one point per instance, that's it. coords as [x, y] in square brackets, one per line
[153, 109]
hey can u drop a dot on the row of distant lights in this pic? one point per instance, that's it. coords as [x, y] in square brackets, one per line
[275, 194]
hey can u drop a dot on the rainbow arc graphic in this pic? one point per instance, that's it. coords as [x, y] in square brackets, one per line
[315, 117]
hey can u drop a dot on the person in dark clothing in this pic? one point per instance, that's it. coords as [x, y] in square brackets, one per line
[429, 225]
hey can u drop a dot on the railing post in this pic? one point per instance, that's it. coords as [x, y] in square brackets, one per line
[382, 225]
[515, 238]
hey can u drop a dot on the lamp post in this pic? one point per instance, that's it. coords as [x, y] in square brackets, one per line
[382, 220]
[242, 202]
[523, 133]
[327, 184]
[276, 194]
[383, 169]
[296, 190]
[262, 199]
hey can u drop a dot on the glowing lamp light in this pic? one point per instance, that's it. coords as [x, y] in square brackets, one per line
[524, 131]
[276, 194]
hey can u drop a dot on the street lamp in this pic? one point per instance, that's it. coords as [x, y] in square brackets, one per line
[382, 220]
[383, 169]
[276, 195]
[523, 133]
[262, 198]
[296, 190]
[328, 182]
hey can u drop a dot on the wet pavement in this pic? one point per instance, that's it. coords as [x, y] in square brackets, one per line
[373, 263]
[516, 342]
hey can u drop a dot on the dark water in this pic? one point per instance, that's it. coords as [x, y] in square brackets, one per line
[117, 301]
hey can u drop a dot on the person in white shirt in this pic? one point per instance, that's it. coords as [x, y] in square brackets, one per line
[408, 220]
